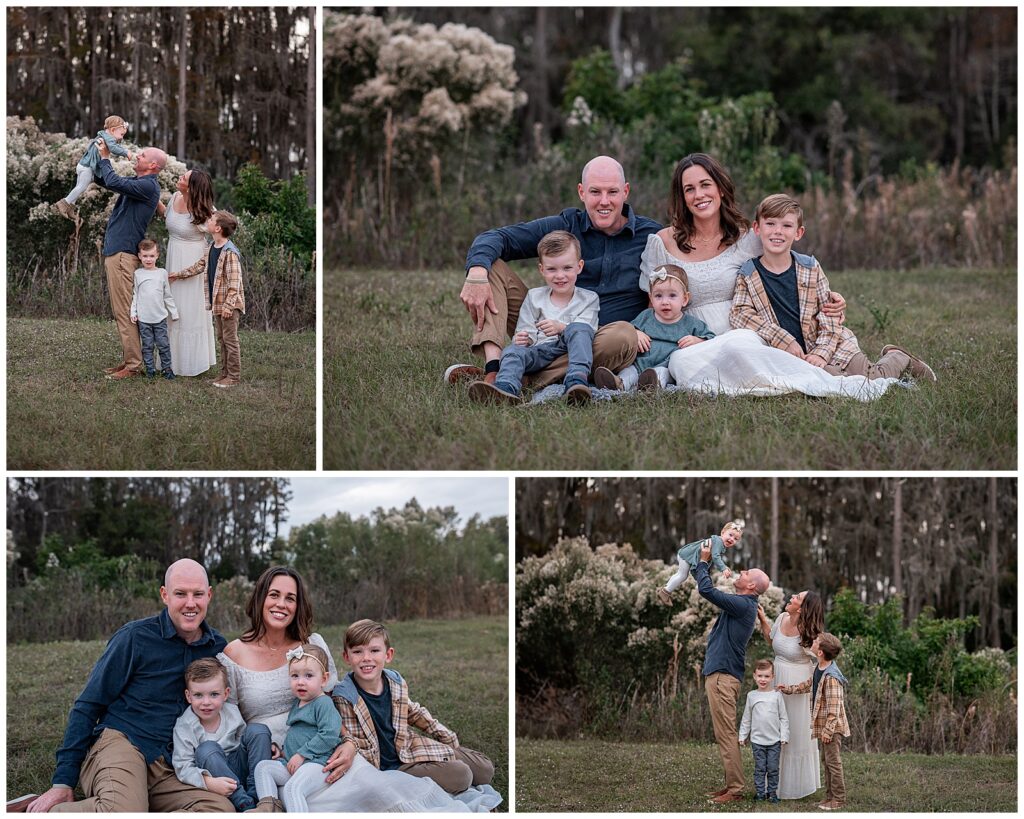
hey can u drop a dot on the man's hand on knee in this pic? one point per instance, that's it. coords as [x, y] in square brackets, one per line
[477, 296]
[55, 796]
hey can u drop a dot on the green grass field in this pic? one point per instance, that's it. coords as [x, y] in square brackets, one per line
[457, 669]
[388, 339]
[63, 414]
[594, 776]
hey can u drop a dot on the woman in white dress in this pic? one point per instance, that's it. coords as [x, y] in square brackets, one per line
[281, 618]
[710, 239]
[193, 343]
[791, 636]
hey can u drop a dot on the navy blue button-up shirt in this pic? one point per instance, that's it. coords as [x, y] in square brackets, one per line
[611, 264]
[133, 211]
[138, 688]
[727, 643]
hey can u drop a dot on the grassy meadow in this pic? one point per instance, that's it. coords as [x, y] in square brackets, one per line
[388, 339]
[457, 669]
[563, 776]
[62, 413]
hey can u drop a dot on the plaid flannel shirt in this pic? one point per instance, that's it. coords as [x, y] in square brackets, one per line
[228, 294]
[828, 712]
[824, 336]
[356, 723]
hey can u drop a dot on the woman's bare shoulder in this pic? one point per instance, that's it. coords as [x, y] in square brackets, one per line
[236, 651]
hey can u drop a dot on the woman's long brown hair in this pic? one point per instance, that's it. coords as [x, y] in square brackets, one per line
[301, 625]
[200, 196]
[733, 223]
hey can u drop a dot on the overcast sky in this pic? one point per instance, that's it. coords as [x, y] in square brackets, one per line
[313, 497]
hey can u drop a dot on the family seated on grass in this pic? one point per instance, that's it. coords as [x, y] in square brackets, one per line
[786, 322]
[259, 724]
[207, 278]
[796, 701]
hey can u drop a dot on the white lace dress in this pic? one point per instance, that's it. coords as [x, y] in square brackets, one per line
[265, 697]
[799, 773]
[738, 362]
[193, 343]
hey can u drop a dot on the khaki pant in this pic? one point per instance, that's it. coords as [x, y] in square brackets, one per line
[121, 269]
[835, 783]
[230, 351]
[723, 691]
[116, 779]
[467, 769]
[614, 344]
[890, 365]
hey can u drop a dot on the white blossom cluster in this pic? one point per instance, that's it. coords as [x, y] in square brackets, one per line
[433, 83]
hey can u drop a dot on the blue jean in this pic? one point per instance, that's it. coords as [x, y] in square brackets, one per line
[239, 764]
[151, 334]
[577, 340]
[766, 766]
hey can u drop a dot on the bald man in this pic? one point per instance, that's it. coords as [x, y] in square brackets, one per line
[612, 238]
[118, 737]
[724, 663]
[125, 229]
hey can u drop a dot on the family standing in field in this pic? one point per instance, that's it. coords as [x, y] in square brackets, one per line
[175, 718]
[711, 303]
[204, 288]
[796, 701]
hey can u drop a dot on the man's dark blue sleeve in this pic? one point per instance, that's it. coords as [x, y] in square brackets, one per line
[141, 189]
[512, 242]
[106, 682]
[731, 603]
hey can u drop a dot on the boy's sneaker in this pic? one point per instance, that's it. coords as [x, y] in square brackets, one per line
[224, 383]
[759, 798]
[829, 805]
[485, 393]
[169, 375]
[773, 799]
[648, 381]
[150, 373]
[577, 393]
[665, 596]
[21, 804]
[918, 368]
[606, 379]
[462, 372]
[66, 209]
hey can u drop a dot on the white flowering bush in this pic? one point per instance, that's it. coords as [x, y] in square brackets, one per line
[591, 617]
[412, 91]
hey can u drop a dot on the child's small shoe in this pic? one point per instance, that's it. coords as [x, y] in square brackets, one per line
[169, 375]
[606, 379]
[773, 799]
[150, 373]
[66, 209]
[498, 393]
[759, 798]
[648, 381]
[577, 392]
[665, 596]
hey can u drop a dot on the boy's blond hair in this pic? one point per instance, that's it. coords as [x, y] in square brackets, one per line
[671, 271]
[203, 670]
[829, 645]
[148, 244]
[227, 222]
[362, 631]
[556, 243]
[778, 205]
[765, 665]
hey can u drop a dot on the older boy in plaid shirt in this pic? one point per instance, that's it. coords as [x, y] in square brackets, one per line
[377, 714]
[224, 294]
[828, 715]
[779, 296]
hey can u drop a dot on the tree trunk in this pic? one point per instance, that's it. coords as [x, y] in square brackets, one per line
[995, 638]
[897, 537]
[182, 84]
[774, 573]
[311, 109]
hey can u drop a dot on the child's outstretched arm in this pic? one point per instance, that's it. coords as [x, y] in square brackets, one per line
[420, 717]
[191, 270]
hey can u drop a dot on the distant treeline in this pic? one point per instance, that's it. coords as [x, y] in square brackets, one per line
[84, 556]
[947, 543]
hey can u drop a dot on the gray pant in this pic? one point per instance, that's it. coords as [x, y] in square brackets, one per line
[239, 764]
[151, 334]
[766, 766]
[577, 340]
[85, 177]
